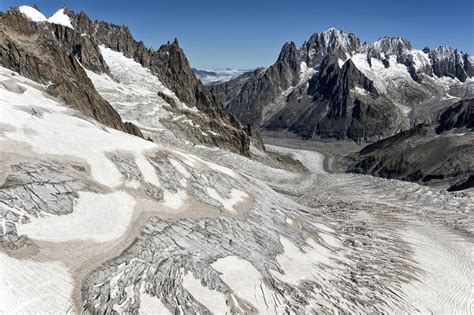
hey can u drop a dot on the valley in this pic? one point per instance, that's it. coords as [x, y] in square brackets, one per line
[337, 180]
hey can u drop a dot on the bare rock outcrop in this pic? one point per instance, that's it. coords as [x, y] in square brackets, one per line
[47, 53]
[284, 97]
[171, 66]
[436, 154]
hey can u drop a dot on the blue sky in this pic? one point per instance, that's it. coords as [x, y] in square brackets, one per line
[247, 34]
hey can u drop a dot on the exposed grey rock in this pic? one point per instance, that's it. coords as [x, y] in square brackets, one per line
[460, 115]
[83, 47]
[34, 51]
[274, 100]
[215, 134]
[229, 90]
[256, 136]
[452, 63]
[335, 110]
[336, 43]
[248, 97]
[171, 66]
[439, 153]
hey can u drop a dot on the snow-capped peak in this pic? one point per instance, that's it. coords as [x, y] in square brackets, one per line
[60, 18]
[443, 52]
[391, 45]
[333, 37]
[331, 40]
[32, 14]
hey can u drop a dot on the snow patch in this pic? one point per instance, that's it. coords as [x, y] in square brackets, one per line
[60, 18]
[340, 62]
[97, 217]
[90, 143]
[299, 265]
[421, 59]
[174, 200]
[32, 13]
[211, 299]
[29, 286]
[246, 282]
[305, 72]
[150, 305]
[383, 77]
[360, 91]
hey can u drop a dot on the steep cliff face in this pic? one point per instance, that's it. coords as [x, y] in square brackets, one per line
[451, 63]
[332, 42]
[46, 53]
[460, 115]
[228, 91]
[172, 68]
[407, 86]
[343, 103]
[262, 88]
[262, 95]
[438, 153]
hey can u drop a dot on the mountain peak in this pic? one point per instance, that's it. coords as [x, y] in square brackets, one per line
[330, 41]
[333, 30]
[392, 45]
[32, 13]
[61, 17]
[288, 51]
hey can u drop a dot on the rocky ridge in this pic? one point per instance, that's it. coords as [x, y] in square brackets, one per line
[171, 66]
[46, 53]
[439, 153]
[406, 78]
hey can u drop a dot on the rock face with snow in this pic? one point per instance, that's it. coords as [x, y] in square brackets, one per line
[95, 220]
[332, 42]
[408, 86]
[439, 153]
[71, 43]
[171, 66]
[262, 88]
[340, 103]
[45, 52]
[452, 63]
[98, 221]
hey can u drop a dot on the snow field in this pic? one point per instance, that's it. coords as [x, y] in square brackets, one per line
[26, 285]
[36, 16]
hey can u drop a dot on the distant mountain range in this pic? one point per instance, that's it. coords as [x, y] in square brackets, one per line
[335, 86]
[216, 76]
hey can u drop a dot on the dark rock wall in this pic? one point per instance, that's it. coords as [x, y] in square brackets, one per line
[34, 51]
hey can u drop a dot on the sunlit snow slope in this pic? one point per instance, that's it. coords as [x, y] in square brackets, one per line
[98, 220]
